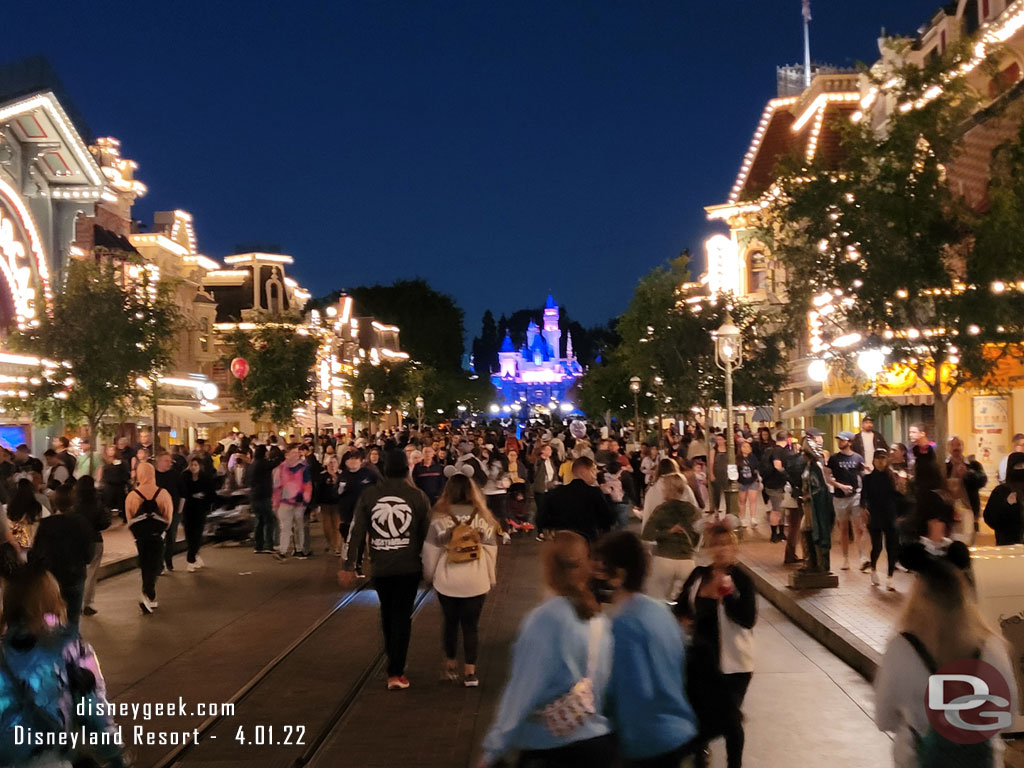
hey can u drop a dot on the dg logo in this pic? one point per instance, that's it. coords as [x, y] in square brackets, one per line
[391, 517]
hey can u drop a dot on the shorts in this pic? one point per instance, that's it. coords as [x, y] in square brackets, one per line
[846, 507]
[776, 497]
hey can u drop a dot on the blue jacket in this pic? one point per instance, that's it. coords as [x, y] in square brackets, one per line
[548, 658]
[647, 701]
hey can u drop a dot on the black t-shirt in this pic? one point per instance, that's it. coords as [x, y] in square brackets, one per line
[846, 469]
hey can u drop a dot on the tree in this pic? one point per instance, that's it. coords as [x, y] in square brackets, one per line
[605, 388]
[105, 332]
[668, 333]
[485, 346]
[430, 322]
[883, 251]
[281, 363]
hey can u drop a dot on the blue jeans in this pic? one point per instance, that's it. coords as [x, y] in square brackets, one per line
[263, 535]
[622, 511]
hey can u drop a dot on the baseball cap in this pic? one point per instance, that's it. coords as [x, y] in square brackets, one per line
[813, 432]
[844, 435]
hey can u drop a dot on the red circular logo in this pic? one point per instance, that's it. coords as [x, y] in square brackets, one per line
[968, 701]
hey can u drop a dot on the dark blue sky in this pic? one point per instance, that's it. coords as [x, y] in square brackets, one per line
[498, 149]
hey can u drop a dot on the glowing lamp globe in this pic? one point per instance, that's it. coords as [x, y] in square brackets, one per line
[817, 370]
[239, 367]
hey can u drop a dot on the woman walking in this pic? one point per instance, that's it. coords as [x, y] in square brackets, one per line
[149, 509]
[87, 506]
[671, 529]
[327, 490]
[564, 646]
[460, 558]
[750, 486]
[718, 606]
[197, 489]
[884, 505]
[24, 513]
[941, 624]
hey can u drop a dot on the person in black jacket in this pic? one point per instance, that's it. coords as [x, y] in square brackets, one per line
[199, 493]
[579, 506]
[170, 480]
[87, 506]
[356, 478]
[1003, 513]
[326, 489]
[884, 505]
[719, 662]
[261, 496]
[65, 545]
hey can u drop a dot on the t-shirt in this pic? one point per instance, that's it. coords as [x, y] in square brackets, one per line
[846, 469]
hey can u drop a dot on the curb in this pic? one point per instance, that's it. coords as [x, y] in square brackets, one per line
[855, 652]
[130, 563]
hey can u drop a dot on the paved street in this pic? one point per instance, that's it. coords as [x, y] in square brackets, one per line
[236, 616]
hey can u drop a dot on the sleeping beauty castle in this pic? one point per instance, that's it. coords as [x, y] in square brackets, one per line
[536, 373]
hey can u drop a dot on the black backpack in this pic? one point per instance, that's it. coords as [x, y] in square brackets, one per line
[148, 519]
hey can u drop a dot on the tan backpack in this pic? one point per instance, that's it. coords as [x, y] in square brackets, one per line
[465, 544]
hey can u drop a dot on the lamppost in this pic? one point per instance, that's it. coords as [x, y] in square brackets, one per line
[419, 413]
[729, 357]
[368, 396]
[634, 387]
[658, 381]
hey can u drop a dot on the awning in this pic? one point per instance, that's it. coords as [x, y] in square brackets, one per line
[839, 405]
[764, 413]
[191, 414]
[807, 407]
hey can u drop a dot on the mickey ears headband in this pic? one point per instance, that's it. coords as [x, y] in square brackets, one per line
[451, 470]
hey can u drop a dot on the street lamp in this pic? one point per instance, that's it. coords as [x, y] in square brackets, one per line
[729, 357]
[368, 396]
[419, 413]
[634, 387]
[658, 381]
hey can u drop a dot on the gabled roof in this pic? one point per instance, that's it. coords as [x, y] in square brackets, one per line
[805, 125]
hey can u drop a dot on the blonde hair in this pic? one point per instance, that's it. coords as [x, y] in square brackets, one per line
[460, 489]
[942, 612]
[30, 595]
[674, 486]
[567, 571]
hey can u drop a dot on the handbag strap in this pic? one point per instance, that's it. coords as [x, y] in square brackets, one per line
[594, 645]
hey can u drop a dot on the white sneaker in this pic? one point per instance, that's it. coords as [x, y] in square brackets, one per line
[199, 562]
[874, 579]
[154, 604]
[193, 567]
[145, 605]
[889, 585]
[846, 563]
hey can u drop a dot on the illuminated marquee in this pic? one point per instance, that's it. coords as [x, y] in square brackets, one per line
[723, 274]
[21, 249]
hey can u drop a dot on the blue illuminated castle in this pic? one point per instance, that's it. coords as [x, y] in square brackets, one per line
[536, 373]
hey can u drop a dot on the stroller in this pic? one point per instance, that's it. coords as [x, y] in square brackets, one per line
[232, 520]
[518, 510]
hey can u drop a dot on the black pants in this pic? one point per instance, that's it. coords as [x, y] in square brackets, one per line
[195, 521]
[736, 688]
[345, 527]
[667, 760]
[592, 753]
[263, 534]
[397, 595]
[464, 612]
[169, 540]
[892, 546]
[151, 553]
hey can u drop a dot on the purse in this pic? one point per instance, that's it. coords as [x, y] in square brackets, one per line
[569, 711]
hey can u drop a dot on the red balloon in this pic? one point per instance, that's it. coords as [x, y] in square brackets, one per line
[240, 367]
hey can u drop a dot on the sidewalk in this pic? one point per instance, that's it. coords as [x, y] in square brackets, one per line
[119, 553]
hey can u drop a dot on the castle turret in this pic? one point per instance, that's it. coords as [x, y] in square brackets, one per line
[531, 333]
[507, 359]
[570, 353]
[552, 333]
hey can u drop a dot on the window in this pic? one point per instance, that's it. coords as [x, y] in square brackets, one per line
[204, 335]
[757, 272]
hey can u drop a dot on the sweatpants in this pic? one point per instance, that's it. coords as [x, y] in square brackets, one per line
[667, 577]
[464, 612]
[195, 522]
[151, 553]
[290, 519]
[892, 547]
[397, 594]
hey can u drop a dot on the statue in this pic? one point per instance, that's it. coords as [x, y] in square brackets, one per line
[816, 526]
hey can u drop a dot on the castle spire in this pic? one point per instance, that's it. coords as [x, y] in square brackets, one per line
[569, 354]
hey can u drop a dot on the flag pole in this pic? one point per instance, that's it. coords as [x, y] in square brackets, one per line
[807, 42]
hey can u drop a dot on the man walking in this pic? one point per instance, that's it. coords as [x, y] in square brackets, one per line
[773, 474]
[843, 470]
[579, 506]
[867, 441]
[168, 478]
[397, 515]
[261, 498]
[293, 491]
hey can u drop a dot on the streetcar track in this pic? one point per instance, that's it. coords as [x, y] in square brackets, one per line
[209, 723]
[350, 696]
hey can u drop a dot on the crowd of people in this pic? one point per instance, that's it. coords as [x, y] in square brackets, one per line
[642, 654]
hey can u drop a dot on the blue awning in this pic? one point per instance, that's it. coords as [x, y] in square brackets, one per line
[839, 405]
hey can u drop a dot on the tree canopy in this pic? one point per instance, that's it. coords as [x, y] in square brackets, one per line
[104, 333]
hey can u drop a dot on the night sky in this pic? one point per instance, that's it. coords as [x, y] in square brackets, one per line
[497, 149]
